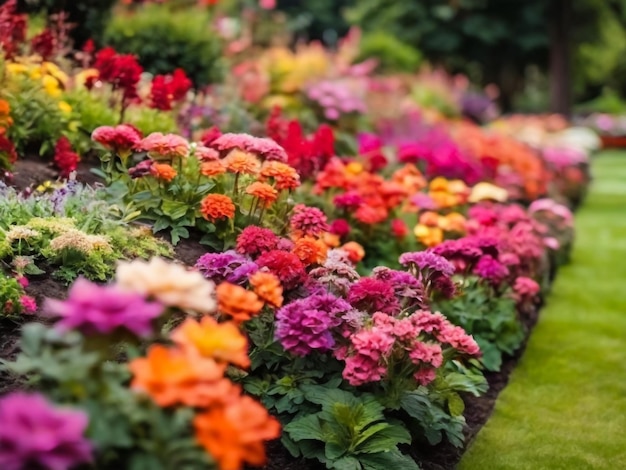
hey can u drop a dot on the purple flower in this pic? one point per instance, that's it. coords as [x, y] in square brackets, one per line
[228, 266]
[142, 168]
[462, 249]
[491, 270]
[427, 260]
[405, 285]
[305, 325]
[91, 308]
[34, 434]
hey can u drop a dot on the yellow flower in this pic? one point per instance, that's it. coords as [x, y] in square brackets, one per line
[51, 85]
[15, 68]
[488, 191]
[428, 236]
[65, 107]
[354, 168]
[53, 70]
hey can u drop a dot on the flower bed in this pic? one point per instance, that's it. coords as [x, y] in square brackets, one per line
[352, 273]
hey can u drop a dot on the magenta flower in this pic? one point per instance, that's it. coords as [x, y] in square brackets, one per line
[229, 266]
[427, 261]
[373, 295]
[92, 309]
[34, 434]
[308, 221]
[28, 304]
[490, 269]
[254, 241]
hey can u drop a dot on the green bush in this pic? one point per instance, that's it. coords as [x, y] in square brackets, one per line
[392, 54]
[165, 40]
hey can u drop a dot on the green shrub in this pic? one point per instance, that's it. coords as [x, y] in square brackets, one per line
[165, 40]
[392, 54]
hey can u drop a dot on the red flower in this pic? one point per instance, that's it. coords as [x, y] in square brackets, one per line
[120, 70]
[13, 27]
[64, 157]
[44, 44]
[254, 241]
[210, 135]
[8, 155]
[286, 266]
[167, 89]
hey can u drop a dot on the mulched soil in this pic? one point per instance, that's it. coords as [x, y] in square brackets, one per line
[32, 170]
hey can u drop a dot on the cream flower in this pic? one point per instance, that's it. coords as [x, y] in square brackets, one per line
[20, 232]
[80, 241]
[488, 191]
[170, 284]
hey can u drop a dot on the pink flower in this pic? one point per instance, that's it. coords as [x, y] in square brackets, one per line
[265, 148]
[456, 337]
[525, 287]
[425, 376]
[28, 304]
[426, 353]
[373, 343]
[119, 139]
[23, 281]
[206, 154]
[360, 370]
[340, 227]
[164, 146]
[308, 221]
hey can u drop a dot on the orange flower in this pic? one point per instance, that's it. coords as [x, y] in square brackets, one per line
[266, 193]
[222, 342]
[439, 184]
[453, 222]
[331, 240]
[428, 236]
[429, 218]
[310, 250]
[355, 251]
[410, 178]
[234, 434]
[213, 168]
[238, 161]
[170, 376]
[217, 206]
[285, 176]
[237, 302]
[163, 171]
[267, 287]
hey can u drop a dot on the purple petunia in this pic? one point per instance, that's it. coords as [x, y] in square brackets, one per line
[34, 434]
[305, 325]
[91, 308]
[229, 266]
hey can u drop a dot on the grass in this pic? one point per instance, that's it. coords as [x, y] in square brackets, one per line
[565, 407]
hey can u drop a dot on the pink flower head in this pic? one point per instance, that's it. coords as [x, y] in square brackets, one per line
[254, 241]
[399, 228]
[206, 154]
[265, 148]
[456, 337]
[119, 139]
[426, 353]
[35, 434]
[308, 221]
[164, 146]
[286, 266]
[28, 304]
[92, 308]
[361, 369]
[425, 375]
[350, 200]
[373, 295]
[340, 227]
[490, 269]
[525, 287]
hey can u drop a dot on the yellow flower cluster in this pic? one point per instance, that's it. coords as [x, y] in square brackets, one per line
[53, 225]
[21, 232]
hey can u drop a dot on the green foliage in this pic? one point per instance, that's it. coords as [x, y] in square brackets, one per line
[85, 236]
[10, 294]
[392, 54]
[38, 120]
[490, 318]
[149, 120]
[349, 432]
[164, 40]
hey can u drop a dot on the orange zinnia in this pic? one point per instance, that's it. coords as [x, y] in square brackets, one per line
[453, 222]
[217, 206]
[210, 339]
[213, 168]
[429, 218]
[169, 377]
[237, 302]
[163, 171]
[234, 434]
[310, 250]
[355, 251]
[267, 287]
[285, 176]
[238, 161]
[266, 193]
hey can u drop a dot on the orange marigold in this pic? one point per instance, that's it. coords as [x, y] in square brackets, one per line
[234, 434]
[213, 168]
[163, 171]
[217, 206]
[169, 376]
[223, 342]
[310, 250]
[237, 302]
[266, 193]
[267, 287]
[355, 251]
[238, 161]
[285, 176]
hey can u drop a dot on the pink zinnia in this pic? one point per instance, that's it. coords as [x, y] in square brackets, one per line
[254, 241]
[164, 146]
[119, 139]
[372, 295]
[308, 221]
[28, 304]
[265, 148]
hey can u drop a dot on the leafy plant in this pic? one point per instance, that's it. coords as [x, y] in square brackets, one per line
[392, 54]
[165, 40]
[349, 432]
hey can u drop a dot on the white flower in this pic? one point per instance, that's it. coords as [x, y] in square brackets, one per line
[20, 232]
[169, 283]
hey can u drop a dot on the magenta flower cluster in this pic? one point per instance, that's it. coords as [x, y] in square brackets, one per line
[228, 266]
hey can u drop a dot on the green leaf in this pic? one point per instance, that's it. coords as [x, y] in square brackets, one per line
[455, 404]
[345, 463]
[334, 451]
[391, 460]
[307, 427]
[174, 209]
[382, 438]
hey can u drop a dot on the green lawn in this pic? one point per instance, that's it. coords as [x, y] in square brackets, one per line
[565, 407]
